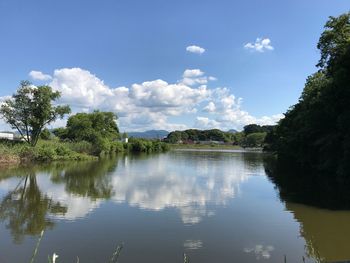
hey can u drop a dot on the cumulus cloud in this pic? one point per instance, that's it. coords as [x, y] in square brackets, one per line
[210, 107]
[155, 104]
[225, 111]
[195, 49]
[260, 45]
[192, 77]
[206, 123]
[192, 73]
[146, 105]
[38, 75]
[160, 94]
[80, 88]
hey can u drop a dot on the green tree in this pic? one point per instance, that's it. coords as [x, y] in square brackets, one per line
[90, 126]
[30, 109]
[251, 128]
[255, 139]
[45, 134]
[314, 136]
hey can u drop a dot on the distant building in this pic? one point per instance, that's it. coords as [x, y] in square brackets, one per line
[7, 135]
[125, 140]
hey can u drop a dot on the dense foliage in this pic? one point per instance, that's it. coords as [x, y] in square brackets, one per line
[193, 135]
[97, 132]
[255, 128]
[253, 135]
[30, 109]
[314, 136]
[97, 128]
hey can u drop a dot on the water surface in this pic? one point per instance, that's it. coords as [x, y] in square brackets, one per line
[213, 206]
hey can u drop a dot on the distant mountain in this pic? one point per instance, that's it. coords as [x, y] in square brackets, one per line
[151, 134]
[232, 131]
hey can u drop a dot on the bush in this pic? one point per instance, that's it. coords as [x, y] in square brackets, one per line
[45, 154]
[62, 150]
[45, 134]
[101, 146]
[146, 146]
[255, 139]
[117, 147]
[81, 147]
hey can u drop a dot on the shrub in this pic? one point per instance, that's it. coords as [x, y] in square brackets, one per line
[45, 153]
[81, 147]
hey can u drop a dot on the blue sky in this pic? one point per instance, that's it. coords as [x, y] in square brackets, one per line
[130, 57]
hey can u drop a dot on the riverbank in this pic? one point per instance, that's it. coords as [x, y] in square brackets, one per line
[20, 152]
[12, 153]
[213, 147]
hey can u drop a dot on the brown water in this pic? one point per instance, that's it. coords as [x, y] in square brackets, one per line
[213, 206]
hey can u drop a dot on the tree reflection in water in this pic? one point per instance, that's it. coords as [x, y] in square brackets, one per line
[26, 209]
[88, 179]
[320, 205]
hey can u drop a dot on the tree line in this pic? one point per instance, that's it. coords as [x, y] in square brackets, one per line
[31, 109]
[253, 135]
[312, 142]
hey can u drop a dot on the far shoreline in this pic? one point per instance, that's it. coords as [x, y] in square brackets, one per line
[218, 148]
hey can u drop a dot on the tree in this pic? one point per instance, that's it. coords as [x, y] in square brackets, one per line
[255, 139]
[45, 134]
[251, 128]
[313, 140]
[92, 126]
[30, 109]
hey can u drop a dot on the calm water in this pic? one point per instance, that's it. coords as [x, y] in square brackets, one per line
[214, 206]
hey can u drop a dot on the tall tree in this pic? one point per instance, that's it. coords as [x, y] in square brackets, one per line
[91, 126]
[30, 109]
[314, 136]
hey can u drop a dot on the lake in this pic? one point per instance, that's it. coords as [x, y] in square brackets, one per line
[214, 206]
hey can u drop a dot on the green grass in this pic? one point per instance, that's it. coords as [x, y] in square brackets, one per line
[15, 152]
[45, 151]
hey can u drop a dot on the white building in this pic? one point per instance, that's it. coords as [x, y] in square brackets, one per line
[7, 135]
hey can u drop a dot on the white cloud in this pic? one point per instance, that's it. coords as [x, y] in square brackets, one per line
[206, 123]
[192, 73]
[3, 125]
[260, 45]
[226, 113]
[193, 77]
[38, 75]
[155, 104]
[80, 88]
[158, 93]
[195, 49]
[147, 105]
[210, 107]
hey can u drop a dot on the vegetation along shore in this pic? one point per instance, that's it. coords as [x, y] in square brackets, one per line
[85, 137]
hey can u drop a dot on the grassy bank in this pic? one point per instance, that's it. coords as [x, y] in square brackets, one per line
[12, 152]
[20, 152]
